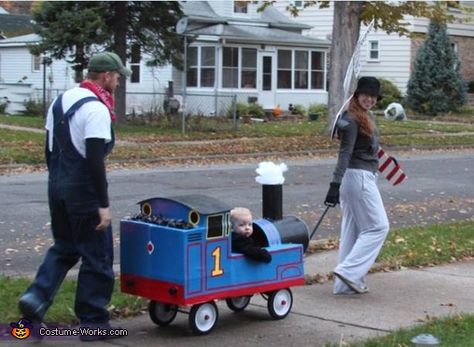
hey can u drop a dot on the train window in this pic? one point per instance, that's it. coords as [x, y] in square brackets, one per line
[215, 226]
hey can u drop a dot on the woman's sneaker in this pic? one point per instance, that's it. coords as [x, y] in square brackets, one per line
[352, 285]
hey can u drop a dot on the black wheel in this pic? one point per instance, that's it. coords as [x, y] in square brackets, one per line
[203, 317]
[279, 303]
[162, 314]
[238, 303]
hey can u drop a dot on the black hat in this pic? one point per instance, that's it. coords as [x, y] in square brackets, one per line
[368, 85]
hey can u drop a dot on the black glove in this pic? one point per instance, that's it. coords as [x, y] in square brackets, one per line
[332, 197]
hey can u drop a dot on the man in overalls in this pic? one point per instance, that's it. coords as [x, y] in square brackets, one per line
[79, 137]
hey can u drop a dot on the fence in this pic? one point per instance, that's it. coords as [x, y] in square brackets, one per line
[138, 103]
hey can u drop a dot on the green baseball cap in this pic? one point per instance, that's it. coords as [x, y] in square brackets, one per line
[108, 61]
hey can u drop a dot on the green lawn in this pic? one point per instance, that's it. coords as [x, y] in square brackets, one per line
[23, 121]
[455, 331]
[299, 135]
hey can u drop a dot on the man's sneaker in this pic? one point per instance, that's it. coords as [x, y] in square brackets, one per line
[352, 285]
[31, 307]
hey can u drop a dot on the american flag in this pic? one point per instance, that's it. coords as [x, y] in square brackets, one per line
[390, 168]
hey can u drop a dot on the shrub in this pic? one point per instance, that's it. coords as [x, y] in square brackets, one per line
[435, 85]
[299, 110]
[320, 109]
[256, 110]
[390, 93]
[3, 104]
[33, 108]
[241, 109]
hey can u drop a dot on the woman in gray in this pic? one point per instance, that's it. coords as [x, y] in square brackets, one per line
[364, 220]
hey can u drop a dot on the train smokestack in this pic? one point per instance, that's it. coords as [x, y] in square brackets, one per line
[271, 178]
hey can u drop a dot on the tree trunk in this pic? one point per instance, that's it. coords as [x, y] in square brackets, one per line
[120, 47]
[345, 33]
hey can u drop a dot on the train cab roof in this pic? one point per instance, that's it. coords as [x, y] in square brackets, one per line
[203, 204]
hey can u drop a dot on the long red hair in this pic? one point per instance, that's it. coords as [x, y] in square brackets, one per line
[366, 127]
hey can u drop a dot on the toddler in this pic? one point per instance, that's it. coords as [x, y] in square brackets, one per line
[242, 229]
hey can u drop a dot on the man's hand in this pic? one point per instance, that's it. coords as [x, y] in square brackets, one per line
[105, 218]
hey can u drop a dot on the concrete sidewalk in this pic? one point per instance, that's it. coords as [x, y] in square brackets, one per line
[396, 299]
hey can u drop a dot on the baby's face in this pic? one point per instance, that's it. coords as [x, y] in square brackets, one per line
[243, 225]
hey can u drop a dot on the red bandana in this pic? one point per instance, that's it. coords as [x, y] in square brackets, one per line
[103, 95]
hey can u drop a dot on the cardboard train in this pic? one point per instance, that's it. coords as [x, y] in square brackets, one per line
[177, 253]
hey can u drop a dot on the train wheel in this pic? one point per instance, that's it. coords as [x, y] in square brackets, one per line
[162, 314]
[203, 317]
[280, 303]
[238, 303]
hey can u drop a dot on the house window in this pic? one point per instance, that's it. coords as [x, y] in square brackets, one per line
[284, 69]
[267, 73]
[373, 50]
[192, 74]
[135, 64]
[298, 4]
[208, 59]
[249, 68]
[317, 70]
[241, 6]
[230, 67]
[301, 70]
[36, 63]
[455, 48]
[453, 6]
[201, 67]
[239, 68]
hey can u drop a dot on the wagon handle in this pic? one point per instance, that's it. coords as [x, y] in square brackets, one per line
[320, 220]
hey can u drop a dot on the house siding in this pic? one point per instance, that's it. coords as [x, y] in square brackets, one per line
[17, 67]
[226, 9]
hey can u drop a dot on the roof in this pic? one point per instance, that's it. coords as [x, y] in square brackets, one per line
[258, 34]
[203, 204]
[22, 40]
[13, 25]
[201, 11]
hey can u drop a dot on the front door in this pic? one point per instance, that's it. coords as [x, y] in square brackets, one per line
[266, 95]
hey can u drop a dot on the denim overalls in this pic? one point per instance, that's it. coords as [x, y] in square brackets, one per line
[74, 215]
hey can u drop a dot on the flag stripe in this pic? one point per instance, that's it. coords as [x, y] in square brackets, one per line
[400, 179]
[393, 172]
[385, 164]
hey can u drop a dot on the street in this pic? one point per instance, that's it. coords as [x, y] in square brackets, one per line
[439, 189]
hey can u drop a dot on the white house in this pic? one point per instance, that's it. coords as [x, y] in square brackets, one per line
[266, 57]
[234, 50]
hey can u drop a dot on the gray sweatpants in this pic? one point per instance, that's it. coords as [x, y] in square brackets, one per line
[363, 229]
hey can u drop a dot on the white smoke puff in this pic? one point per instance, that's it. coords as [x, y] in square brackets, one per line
[270, 173]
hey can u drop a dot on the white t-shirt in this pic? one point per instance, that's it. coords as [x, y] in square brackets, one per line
[92, 120]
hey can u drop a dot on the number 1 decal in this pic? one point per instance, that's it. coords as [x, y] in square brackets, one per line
[216, 254]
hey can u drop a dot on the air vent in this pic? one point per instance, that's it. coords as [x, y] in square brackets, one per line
[194, 237]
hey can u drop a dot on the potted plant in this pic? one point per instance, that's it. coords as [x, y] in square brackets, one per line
[316, 110]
